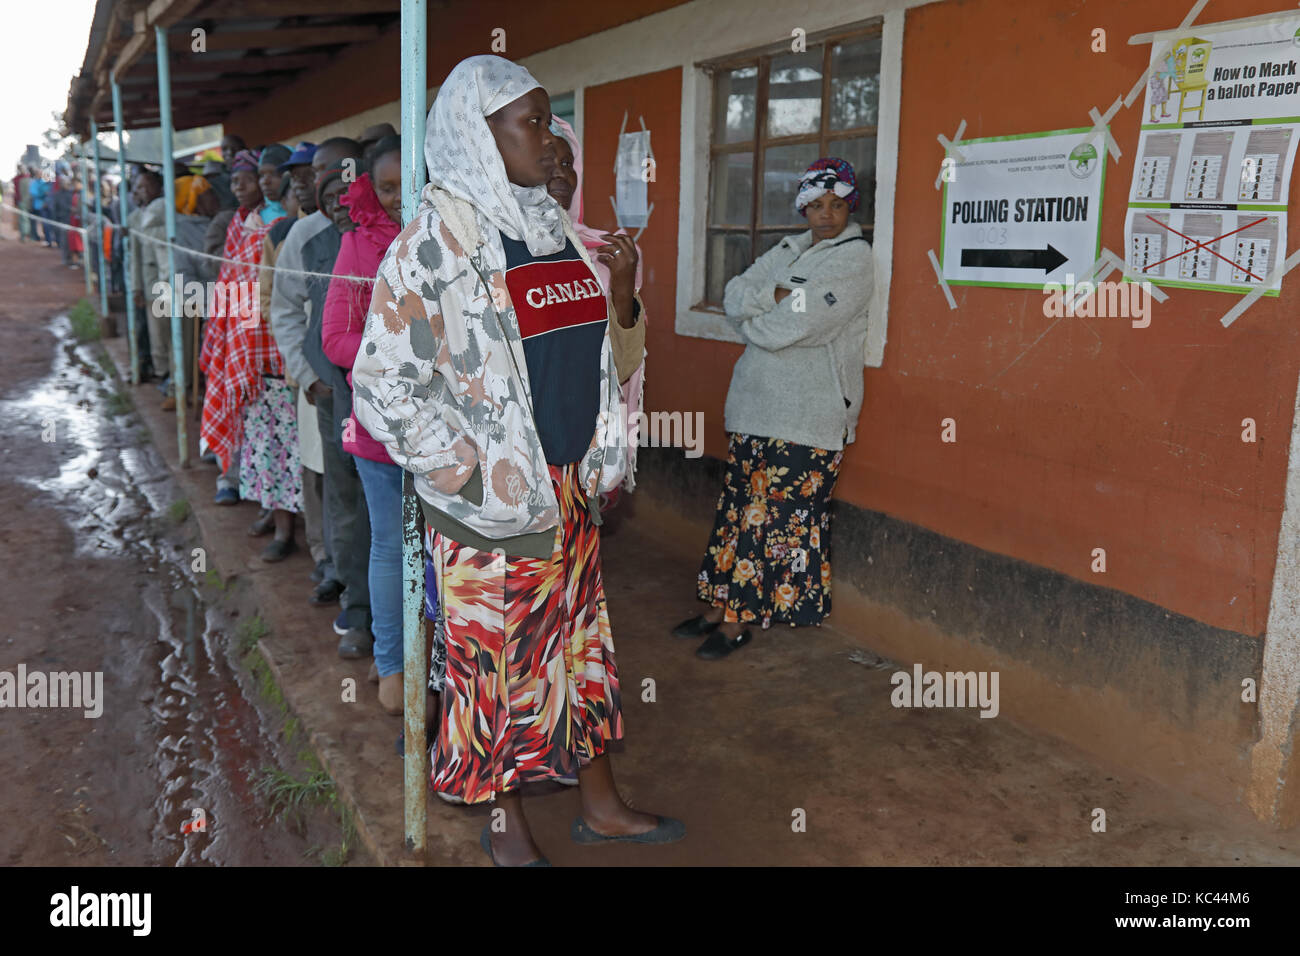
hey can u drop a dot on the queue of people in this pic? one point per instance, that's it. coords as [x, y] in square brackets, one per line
[494, 349]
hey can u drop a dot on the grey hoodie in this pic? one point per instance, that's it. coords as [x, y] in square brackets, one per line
[800, 377]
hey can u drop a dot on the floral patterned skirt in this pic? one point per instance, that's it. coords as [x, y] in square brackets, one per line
[270, 472]
[531, 690]
[768, 558]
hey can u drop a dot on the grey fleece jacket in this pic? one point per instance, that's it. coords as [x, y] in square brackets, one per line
[800, 377]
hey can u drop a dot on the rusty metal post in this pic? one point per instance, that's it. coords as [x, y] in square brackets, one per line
[415, 674]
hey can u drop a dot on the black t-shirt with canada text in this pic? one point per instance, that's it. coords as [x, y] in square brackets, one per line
[562, 314]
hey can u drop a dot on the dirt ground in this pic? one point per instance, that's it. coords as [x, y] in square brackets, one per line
[787, 753]
[95, 582]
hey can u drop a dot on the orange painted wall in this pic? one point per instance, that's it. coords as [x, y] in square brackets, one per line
[1091, 435]
[1096, 434]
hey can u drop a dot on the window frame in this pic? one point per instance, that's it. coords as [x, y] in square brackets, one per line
[762, 59]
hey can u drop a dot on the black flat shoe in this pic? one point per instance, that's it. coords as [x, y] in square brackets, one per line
[667, 830]
[694, 628]
[485, 841]
[716, 646]
[278, 550]
[326, 593]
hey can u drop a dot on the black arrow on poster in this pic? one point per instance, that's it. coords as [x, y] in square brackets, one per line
[1049, 259]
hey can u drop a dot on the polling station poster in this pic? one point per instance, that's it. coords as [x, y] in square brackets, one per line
[1212, 178]
[1020, 211]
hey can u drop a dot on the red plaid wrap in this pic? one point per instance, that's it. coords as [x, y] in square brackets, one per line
[238, 348]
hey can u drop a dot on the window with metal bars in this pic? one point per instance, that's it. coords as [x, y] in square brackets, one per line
[773, 114]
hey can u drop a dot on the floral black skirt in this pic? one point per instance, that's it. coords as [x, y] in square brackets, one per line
[769, 555]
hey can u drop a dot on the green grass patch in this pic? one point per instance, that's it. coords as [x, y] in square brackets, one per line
[85, 321]
[178, 510]
[119, 403]
[213, 580]
[106, 363]
[249, 632]
[290, 798]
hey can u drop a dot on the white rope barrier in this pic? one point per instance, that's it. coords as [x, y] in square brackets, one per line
[196, 254]
[153, 240]
[80, 230]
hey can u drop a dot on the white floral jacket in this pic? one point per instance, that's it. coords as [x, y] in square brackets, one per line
[441, 381]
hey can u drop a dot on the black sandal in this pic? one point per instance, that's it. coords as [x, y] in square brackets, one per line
[694, 628]
[717, 646]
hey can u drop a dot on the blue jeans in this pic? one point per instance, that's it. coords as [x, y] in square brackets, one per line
[383, 487]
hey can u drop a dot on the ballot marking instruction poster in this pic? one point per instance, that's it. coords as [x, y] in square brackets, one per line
[1208, 204]
[1020, 211]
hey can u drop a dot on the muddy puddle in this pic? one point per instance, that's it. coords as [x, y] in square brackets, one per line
[185, 720]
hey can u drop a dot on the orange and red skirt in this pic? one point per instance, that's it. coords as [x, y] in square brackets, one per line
[531, 692]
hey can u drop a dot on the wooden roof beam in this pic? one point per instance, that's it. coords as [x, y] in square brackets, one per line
[269, 39]
[270, 9]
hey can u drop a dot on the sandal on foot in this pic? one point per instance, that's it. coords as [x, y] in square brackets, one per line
[485, 841]
[667, 830]
[717, 646]
[695, 627]
[278, 550]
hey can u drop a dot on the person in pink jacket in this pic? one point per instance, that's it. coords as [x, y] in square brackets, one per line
[374, 204]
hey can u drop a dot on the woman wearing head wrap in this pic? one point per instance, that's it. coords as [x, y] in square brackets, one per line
[565, 186]
[489, 368]
[792, 407]
[248, 409]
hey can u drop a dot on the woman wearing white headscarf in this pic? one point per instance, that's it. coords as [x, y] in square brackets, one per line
[490, 368]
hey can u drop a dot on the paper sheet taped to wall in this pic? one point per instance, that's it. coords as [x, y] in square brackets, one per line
[1208, 203]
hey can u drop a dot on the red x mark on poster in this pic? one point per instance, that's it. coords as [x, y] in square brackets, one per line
[1205, 245]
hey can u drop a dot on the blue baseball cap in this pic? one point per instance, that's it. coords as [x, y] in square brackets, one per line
[302, 154]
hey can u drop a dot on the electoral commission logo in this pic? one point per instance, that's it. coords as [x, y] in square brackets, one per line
[1082, 160]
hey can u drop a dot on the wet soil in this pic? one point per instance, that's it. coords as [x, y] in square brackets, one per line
[101, 575]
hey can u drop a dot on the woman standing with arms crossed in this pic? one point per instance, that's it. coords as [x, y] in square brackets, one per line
[490, 369]
[792, 408]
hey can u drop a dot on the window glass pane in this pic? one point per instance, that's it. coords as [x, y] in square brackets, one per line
[784, 165]
[729, 255]
[855, 83]
[861, 154]
[794, 93]
[734, 94]
[733, 189]
[562, 106]
[766, 240]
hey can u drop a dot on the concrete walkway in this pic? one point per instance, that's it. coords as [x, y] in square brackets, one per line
[796, 729]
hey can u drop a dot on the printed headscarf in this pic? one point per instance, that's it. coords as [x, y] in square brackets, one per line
[246, 160]
[188, 191]
[463, 158]
[828, 174]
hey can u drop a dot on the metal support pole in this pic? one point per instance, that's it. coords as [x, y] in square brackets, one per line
[169, 191]
[415, 672]
[123, 205]
[67, 233]
[99, 224]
